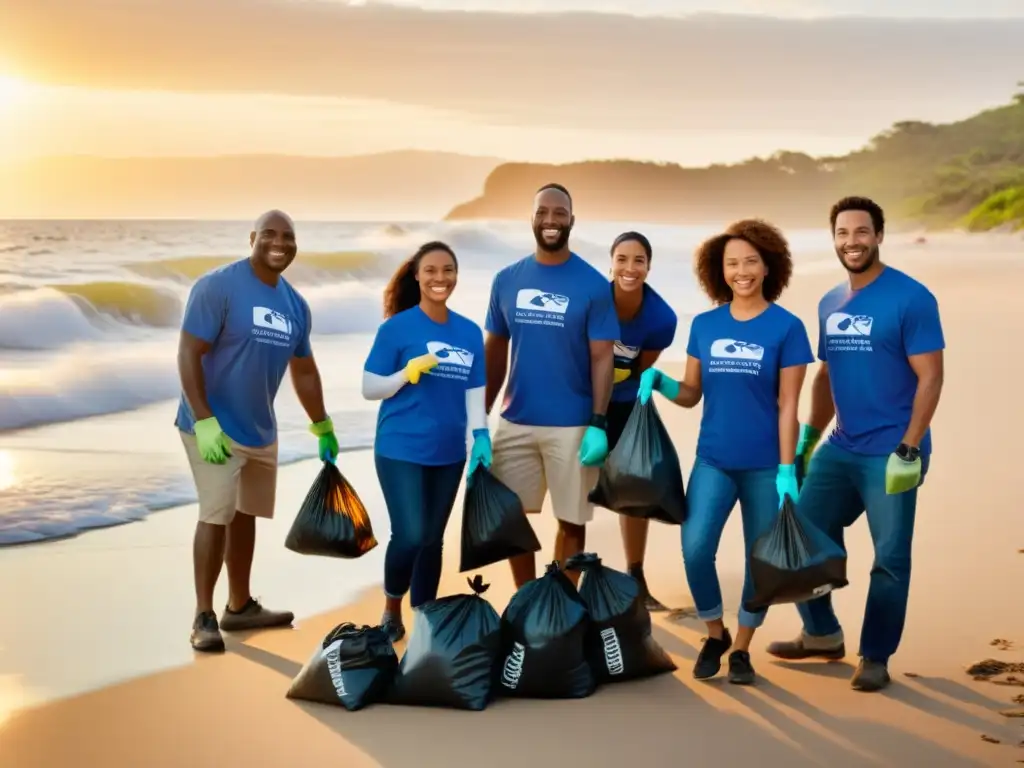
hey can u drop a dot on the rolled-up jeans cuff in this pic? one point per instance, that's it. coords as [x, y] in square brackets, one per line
[752, 620]
[712, 615]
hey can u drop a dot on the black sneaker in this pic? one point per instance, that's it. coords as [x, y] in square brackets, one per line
[741, 671]
[393, 627]
[709, 662]
[206, 634]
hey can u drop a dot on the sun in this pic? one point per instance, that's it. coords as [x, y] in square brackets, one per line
[12, 90]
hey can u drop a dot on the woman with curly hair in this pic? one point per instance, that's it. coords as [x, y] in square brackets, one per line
[426, 367]
[747, 359]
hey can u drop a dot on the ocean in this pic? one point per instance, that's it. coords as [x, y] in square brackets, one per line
[89, 317]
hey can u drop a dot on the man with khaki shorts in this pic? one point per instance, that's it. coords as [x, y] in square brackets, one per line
[244, 327]
[554, 313]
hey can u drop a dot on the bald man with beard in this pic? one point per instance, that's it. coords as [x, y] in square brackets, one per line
[244, 327]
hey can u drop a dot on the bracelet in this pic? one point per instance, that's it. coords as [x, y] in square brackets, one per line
[599, 420]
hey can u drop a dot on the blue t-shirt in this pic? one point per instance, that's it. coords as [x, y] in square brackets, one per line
[550, 313]
[739, 364]
[425, 423]
[653, 328]
[254, 331]
[866, 337]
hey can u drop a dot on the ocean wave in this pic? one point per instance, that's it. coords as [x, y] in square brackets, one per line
[87, 381]
[306, 267]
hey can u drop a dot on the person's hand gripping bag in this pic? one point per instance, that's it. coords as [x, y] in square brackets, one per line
[543, 643]
[794, 561]
[494, 524]
[353, 667]
[451, 653]
[619, 644]
[641, 476]
[332, 521]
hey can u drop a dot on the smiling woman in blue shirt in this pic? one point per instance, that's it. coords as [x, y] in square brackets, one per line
[747, 360]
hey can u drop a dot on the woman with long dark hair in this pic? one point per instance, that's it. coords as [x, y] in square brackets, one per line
[746, 359]
[427, 369]
[647, 326]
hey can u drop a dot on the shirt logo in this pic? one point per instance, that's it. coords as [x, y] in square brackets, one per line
[740, 350]
[842, 324]
[453, 362]
[262, 317]
[625, 352]
[531, 298]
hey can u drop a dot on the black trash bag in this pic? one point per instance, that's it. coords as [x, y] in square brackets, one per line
[619, 643]
[451, 653]
[354, 667]
[332, 521]
[494, 525]
[543, 653]
[641, 476]
[794, 561]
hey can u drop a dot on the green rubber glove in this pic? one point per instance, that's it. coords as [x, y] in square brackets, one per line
[805, 445]
[902, 475]
[212, 442]
[653, 379]
[328, 443]
[594, 447]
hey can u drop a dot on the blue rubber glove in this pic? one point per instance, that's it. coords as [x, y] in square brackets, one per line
[653, 379]
[902, 475]
[594, 448]
[785, 483]
[805, 445]
[480, 454]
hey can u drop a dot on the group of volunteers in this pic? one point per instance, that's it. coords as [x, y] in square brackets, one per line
[573, 352]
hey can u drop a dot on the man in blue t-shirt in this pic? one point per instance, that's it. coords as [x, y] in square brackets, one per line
[554, 313]
[880, 344]
[244, 327]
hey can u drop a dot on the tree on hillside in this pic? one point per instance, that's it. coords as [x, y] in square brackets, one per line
[1019, 96]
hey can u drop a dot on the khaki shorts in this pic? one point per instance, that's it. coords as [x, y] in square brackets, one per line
[246, 482]
[535, 460]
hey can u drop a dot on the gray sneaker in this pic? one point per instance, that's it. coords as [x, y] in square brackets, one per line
[806, 646]
[870, 676]
[254, 616]
[206, 635]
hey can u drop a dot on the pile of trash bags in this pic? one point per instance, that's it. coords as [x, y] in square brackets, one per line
[551, 642]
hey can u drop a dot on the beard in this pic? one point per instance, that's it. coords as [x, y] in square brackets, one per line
[560, 242]
[869, 261]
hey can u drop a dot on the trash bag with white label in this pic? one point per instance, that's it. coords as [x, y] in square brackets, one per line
[353, 667]
[332, 521]
[641, 476]
[451, 653]
[494, 525]
[619, 643]
[543, 651]
[794, 561]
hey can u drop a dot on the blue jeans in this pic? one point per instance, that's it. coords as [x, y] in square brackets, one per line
[419, 500]
[711, 495]
[840, 486]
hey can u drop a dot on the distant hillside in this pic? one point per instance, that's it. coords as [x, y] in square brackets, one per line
[393, 185]
[923, 174]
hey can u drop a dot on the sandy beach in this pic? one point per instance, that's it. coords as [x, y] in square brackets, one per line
[96, 670]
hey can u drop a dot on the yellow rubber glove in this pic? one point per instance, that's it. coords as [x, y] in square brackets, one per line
[212, 442]
[418, 366]
[621, 374]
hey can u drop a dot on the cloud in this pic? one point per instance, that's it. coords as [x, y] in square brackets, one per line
[844, 76]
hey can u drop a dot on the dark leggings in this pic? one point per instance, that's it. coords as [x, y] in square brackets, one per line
[419, 500]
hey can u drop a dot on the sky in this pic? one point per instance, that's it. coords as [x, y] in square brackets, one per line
[330, 77]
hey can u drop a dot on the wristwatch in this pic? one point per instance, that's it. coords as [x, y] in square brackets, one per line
[907, 453]
[600, 421]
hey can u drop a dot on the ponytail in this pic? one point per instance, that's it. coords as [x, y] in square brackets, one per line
[403, 290]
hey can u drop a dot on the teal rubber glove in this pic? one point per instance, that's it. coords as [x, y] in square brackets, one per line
[902, 475]
[480, 454]
[594, 448]
[212, 442]
[653, 379]
[805, 445]
[327, 445]
[785, 483]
